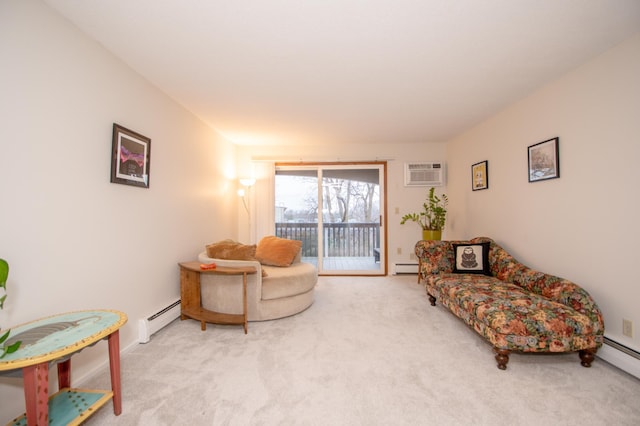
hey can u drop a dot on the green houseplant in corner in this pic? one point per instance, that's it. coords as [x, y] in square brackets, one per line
[4, 273]
[432, 217]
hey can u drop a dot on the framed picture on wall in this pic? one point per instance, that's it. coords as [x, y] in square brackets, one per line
[480, 175]
[130, 157]
[544, 160]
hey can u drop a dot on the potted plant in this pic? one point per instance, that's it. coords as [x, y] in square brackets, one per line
[4, 273]
[432, 218]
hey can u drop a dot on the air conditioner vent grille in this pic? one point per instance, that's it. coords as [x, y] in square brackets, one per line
[424, 174]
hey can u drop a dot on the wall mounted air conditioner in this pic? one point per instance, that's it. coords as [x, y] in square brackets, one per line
[424, 174]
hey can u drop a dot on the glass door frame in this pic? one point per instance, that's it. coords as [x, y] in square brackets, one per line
[319, 167]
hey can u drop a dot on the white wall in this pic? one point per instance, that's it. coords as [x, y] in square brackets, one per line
[406, 200]
[74, 240]
[584, 225]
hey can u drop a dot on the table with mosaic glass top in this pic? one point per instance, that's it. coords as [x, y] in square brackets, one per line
[53, 341]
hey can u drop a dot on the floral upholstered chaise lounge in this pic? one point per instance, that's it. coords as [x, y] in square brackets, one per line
[512, 306]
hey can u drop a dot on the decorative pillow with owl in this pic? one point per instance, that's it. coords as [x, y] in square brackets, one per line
[472, 258]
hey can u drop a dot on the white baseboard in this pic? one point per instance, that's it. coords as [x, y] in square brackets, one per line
[619, 359]
[406, 268]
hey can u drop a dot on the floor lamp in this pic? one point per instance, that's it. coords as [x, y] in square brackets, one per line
[245, 193]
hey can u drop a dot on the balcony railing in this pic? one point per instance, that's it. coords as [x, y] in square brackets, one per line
[339, 239]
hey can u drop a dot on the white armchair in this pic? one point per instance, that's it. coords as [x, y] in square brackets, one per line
[275, 293]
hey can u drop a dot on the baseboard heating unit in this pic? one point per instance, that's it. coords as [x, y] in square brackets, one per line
[153, 323]
[621, 356]
[406, 268]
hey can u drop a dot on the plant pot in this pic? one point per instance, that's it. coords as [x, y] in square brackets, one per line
[431, 235]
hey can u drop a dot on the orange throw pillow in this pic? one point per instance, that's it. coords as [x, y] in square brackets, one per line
[231, 250]
[276, 251]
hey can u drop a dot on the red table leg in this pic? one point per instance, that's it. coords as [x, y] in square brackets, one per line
[64, 374]
[114, 366]
[36, 393]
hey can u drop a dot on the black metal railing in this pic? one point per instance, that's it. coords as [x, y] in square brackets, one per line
[339, 239]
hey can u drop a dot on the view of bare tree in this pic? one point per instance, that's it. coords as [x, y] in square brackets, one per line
[344, 200]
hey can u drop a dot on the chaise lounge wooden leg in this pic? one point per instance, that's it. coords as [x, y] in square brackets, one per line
[432, 300]
[586, 357]
[502, 356]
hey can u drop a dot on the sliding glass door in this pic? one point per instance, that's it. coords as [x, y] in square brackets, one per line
[337, 211]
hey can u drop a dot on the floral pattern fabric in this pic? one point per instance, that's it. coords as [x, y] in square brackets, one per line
[517, 308]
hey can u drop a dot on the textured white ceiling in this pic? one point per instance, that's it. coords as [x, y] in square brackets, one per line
[351, 71]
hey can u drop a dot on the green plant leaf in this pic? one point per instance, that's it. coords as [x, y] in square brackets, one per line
[434, 214]
[11, 348]
[8, 349]
[4, 337]
[4, 273]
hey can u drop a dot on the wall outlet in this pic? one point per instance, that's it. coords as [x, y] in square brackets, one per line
[627, 327]
[399, 250]
[413, 256]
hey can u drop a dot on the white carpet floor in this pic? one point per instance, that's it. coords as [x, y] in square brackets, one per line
[369, 351]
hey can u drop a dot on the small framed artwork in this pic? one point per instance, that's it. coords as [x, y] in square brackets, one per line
[130, 157]
[544, 160]
[480, 176]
